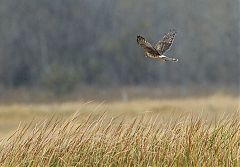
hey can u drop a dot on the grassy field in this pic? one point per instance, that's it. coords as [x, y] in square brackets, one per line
[199, 131]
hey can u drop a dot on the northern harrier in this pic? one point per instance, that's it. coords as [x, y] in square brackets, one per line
[161, 47]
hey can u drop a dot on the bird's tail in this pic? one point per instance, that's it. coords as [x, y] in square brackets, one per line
[171, 59]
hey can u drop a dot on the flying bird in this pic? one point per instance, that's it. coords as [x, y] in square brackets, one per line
[160, 48]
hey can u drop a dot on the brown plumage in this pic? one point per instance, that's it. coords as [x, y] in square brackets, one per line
[161, 47]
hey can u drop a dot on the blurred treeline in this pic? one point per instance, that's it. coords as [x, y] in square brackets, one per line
[60, 44]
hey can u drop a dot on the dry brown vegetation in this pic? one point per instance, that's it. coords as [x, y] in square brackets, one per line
[144, 141]
[186, 132]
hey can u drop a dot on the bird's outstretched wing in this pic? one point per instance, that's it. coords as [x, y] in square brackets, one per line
[165, 43]
[148, 49]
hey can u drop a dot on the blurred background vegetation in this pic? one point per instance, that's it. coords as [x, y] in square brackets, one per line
[59, 45]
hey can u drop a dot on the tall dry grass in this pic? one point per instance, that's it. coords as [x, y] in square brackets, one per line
[143, 141]
[12, 114]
